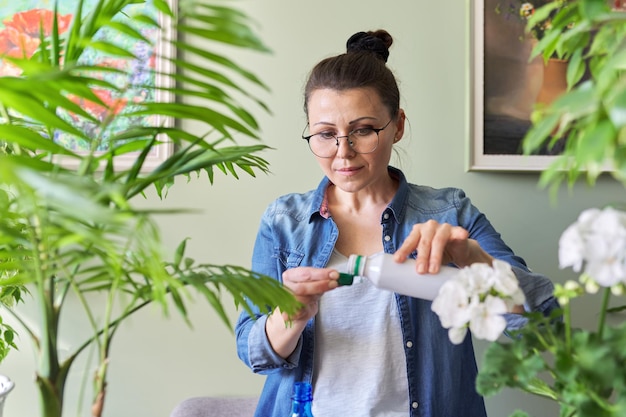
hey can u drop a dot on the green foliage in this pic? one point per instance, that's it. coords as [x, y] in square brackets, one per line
[582, 370]
[517, 363]
[584, 374]
[7, 339]
[591, 115]
[68, 224]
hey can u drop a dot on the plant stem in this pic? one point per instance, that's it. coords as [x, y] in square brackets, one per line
[605, 303]
[567, 313]
[50, 376]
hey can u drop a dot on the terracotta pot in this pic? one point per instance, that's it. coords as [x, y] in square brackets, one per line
[554, 81]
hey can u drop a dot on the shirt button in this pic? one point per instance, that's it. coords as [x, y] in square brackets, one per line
[387, 238]
[409, 344]
[386, 216]
[414, 404]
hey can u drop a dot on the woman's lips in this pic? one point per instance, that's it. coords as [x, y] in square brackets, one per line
[348, 171]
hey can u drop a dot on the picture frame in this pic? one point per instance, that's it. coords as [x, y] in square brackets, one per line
[504, 88]
[154, 62]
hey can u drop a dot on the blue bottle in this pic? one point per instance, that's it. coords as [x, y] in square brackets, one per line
[301, 400]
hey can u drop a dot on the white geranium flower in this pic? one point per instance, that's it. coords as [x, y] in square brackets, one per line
[477, 298]
[452, 304]
[606, 232]
[571, 248]
[607, 273]
[487, 321]
[479, 278]
[588, 216]
[505, 281]
[606, 248]
[597, 239]
[457, 334]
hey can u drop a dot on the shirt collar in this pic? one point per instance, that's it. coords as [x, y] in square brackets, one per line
[398, 205]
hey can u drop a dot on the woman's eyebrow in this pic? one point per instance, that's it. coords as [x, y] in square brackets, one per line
[350, 123]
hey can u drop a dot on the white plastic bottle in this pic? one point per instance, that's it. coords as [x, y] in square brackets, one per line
[385, 273]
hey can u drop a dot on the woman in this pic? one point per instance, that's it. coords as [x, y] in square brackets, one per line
[367, 352]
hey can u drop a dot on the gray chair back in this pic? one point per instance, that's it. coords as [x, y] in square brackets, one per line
[216, 407]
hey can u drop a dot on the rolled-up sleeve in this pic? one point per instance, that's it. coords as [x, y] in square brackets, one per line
[539, 293]
[253, 346]
[262, 358]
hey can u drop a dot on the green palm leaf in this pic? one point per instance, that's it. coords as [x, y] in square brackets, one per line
[73, 230]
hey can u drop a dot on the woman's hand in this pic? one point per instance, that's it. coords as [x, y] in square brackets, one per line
[439, 244]
[307, 285]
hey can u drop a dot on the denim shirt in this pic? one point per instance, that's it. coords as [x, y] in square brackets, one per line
[441, 375]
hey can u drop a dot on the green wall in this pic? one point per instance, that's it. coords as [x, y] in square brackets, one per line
[157, 362]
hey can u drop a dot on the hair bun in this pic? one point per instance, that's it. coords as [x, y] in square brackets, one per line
[377, 43]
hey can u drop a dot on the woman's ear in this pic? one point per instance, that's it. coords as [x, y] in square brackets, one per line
[399, 126]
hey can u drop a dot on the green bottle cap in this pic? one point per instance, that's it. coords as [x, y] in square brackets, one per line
[345, 279]
[354, 263]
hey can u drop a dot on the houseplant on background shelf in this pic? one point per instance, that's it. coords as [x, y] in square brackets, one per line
[524, 10]
[543, 12]
[73, 158]
[580, 369]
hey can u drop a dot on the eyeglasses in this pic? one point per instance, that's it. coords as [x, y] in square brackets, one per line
[361, 140]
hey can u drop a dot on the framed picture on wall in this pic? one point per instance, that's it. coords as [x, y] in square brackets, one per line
[505, 85]
[20, 22]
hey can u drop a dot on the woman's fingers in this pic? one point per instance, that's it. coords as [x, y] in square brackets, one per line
[310, 281]
[436, 244]
[308, 284]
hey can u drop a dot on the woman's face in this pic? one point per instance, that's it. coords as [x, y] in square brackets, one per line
[341, 112]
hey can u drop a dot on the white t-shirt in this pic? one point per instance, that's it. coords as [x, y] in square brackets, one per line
[360, 365]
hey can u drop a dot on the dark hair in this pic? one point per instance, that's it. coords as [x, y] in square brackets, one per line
[363, 65]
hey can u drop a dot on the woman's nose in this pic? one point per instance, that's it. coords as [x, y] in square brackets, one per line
[344, 147]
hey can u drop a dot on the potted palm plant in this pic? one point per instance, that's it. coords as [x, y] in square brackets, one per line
[9, 295]
[76, 151]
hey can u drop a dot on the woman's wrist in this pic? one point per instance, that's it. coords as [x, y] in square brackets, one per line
[476, 255]
[283, 333]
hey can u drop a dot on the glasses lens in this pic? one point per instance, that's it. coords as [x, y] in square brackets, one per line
[323, 145]
[364, 140]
